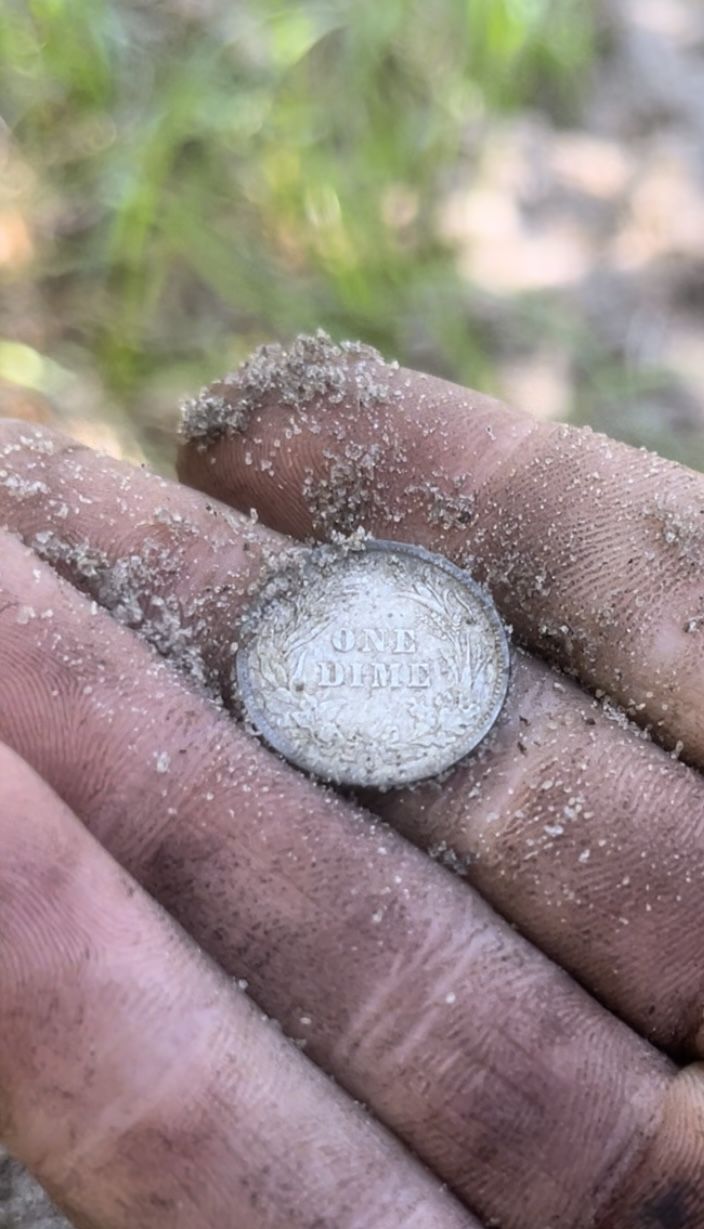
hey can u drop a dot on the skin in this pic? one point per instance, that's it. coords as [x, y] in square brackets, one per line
[535, 1083]
[139, 1084]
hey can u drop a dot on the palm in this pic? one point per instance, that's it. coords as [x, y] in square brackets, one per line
[142, 1087]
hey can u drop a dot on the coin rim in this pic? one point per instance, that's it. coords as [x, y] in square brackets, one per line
[280, 744]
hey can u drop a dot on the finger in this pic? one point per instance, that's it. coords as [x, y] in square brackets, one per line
[586, 849]
[593, 550]
[498, 1069]
[141, 1087]
[162, 559]
[589, 839]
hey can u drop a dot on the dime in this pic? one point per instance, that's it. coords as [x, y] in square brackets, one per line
[374, 666]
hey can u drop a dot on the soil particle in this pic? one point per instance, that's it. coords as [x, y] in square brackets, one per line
[448, 857]
[20, 487]
[163, 762]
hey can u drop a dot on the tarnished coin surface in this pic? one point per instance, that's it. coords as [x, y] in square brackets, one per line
[375, 666]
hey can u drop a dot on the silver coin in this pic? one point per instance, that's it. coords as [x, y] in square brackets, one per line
[377, 666]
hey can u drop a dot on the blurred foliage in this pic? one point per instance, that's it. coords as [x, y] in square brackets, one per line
[198, 176]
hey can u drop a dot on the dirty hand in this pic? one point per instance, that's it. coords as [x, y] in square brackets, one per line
[525, 1032]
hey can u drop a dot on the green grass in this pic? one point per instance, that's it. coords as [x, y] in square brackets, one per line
[199, 183]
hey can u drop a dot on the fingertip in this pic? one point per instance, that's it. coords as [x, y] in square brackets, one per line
[324, 437]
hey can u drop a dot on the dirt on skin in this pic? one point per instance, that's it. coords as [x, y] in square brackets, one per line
[125, 588]
[314, 367]
[141, 581]
[309, 369]
[23, 1202]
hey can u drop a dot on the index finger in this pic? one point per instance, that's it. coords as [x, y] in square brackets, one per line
[592, 550]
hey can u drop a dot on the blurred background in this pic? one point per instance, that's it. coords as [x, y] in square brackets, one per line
[509, 193]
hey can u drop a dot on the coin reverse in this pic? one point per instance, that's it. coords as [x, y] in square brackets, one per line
[379, 665]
